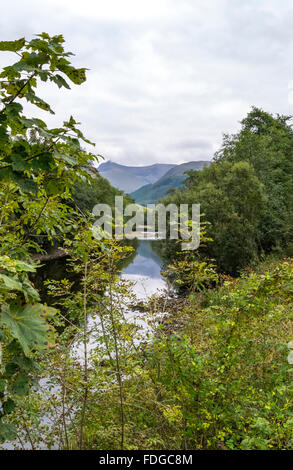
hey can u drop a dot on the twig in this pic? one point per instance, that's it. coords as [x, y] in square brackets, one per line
[85, 374]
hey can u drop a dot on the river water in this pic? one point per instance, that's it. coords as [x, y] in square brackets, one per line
[145, 270]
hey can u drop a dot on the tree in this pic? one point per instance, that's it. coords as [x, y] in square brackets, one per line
[36, 177]
[246, 194]
[266, 142]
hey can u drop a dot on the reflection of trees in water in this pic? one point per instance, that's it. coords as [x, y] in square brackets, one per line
[144, 249]
[147, 249]
[130, 258]
[146, 263]
[58, 269]
[165, 249]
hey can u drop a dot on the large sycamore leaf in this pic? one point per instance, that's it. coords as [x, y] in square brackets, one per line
[77, 76]
[9, 283]
[13, 46]
[29, 325]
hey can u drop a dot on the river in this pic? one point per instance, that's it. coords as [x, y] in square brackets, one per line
[145, 270]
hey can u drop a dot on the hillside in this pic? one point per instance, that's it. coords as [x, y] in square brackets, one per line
[130, 178]
[150, 193]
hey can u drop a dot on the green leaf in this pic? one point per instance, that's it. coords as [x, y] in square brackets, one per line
[11, 369]
[13, 46]
[7, 431]
[28, 325]
[71, 159]
[13, 110]
[30, 293]
[26, 363]
[34, 99]
[45, 162]
[18, 163]
[32, 122]
[24, 267]
[77, 76]
[8, 406]
[9, 283]
[59, 80]
[21, 385]
[26, 184]
[4, 137]
[2, 385]
[54, 187]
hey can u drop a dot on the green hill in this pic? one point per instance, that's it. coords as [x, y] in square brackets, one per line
[150, 193]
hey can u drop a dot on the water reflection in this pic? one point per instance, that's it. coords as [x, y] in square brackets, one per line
[145, 270]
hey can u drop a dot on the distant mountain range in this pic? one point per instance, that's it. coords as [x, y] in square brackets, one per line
[147, 184]
[150, 193]
[130, 178]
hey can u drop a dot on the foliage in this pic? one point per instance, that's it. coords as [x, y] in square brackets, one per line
[246, 193]
[215, 375]
[193, 275]
[38, 168]
[221, 380]
[266, 141]
[76, 375]
[188, 272]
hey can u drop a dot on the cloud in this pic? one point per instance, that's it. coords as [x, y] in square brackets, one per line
[192, 144]
[166, 78]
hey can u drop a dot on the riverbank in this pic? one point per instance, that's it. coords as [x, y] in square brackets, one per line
[212, 373]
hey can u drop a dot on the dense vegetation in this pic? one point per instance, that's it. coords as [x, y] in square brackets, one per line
[246, 194]
[36, 179]
[214, 373]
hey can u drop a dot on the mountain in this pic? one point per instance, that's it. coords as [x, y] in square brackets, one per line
[150, 193]
[130, 178]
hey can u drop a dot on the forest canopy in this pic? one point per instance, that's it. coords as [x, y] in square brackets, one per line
[246, 194]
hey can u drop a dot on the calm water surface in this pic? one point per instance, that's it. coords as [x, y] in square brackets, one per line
[145, 271]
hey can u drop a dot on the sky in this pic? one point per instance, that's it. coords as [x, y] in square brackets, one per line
[166, 78]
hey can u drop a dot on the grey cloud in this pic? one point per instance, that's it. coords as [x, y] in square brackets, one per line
[164, 82]
[192, 144]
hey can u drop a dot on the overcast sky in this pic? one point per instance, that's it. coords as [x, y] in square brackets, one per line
[167, 77]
